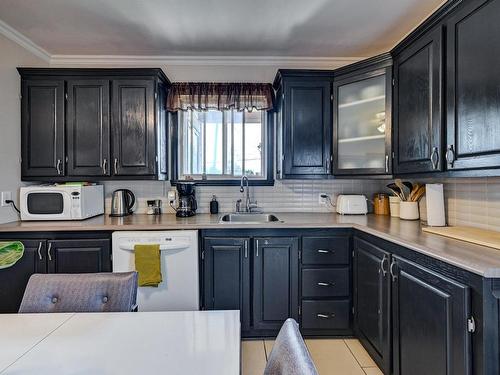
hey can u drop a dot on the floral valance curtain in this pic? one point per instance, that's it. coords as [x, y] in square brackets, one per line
[220, 96]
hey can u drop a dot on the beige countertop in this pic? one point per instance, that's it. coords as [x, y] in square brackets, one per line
[481, 260]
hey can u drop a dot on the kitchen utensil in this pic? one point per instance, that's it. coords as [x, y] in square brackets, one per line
[401, 187]
[394, 206]
[417, 193]
[381, 204]
[122, 203]
[396, 190]
[408, 185]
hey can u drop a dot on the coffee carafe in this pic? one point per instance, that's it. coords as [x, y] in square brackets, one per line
[187, 199]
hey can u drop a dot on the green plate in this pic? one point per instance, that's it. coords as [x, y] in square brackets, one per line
[10, 253]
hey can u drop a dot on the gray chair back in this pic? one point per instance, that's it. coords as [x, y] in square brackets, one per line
[290, 355]
[86, 292]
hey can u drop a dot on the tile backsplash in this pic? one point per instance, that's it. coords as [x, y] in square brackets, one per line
[284, 196]
[469, 202]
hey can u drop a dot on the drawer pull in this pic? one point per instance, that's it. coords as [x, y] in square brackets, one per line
[325, 284]
[326, 316]
[323, 251]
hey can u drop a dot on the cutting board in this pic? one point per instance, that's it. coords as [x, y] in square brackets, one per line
[475, 235]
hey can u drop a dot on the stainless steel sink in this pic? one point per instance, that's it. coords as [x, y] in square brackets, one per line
[249, 218]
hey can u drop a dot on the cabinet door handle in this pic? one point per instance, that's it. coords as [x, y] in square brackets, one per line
[58, 166]
[39, 251]
[246, 249]
[325, 284]
[256, 248]
[323, 251]
[325, 316]
[116, 166]
[450, 155]
[386, 163]
[393, 274]
[384, 260]
[49, 251]
[104, 166]
[435, 158]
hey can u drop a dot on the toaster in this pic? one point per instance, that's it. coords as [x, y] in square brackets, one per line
[352, 205]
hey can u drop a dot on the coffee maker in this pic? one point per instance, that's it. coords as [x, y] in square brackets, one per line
[187, 199]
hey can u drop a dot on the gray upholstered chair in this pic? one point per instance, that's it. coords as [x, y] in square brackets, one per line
[290, 355]
[86, 292]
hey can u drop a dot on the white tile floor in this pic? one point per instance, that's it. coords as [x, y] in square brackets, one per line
[331, 357]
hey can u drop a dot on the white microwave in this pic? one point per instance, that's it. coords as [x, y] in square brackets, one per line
[61, 202]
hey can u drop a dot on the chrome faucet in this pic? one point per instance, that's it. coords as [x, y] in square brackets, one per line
[249, 205]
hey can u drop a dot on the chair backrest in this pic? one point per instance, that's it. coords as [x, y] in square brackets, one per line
[86, 292]
[290, 355]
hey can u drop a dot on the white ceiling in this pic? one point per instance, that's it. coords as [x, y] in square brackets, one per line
[304, 28]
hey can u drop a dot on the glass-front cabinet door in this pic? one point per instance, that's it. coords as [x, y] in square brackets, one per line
[362, 123]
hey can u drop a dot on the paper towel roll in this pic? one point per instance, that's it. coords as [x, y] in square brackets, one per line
[434, 199]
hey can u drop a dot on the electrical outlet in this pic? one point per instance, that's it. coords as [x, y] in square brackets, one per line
[321, 200]
[5, 196]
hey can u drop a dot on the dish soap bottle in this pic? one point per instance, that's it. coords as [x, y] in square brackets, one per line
[214, 205]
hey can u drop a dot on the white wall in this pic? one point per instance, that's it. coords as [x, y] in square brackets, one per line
[11, 56]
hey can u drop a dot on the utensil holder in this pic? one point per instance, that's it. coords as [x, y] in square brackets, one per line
[408, 211]
[394, 203]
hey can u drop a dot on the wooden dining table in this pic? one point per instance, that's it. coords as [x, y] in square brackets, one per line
[194, 342]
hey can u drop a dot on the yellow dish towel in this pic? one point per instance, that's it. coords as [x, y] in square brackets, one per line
[148, 265]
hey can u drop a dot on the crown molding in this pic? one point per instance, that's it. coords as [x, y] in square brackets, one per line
[143, 61]
[15, 36]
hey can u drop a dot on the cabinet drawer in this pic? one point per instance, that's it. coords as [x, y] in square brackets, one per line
[325, 250]
[325, 314]
[327, 282]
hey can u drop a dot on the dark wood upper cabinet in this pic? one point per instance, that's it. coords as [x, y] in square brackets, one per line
[304, 123]
[418, 105]
[275, 282]
[372, 312]
[473, 81]
[87, 125]
[134, 148]
[429, 313]
[114, 124]
[42, 127]
[79, 256]
[226, 269]
[362, 133]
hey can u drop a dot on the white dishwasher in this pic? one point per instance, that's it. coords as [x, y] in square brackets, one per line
[179, 290]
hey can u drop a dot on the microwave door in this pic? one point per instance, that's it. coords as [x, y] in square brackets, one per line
[47, 205]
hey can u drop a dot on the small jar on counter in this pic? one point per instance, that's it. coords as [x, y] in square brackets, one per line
[214, 205]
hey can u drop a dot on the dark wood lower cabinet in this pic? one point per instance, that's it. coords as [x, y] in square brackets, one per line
[372, 314]
[79, 256]
[13, 280]
[275, 282]
[75, 255]
[429, 313]
[227, 276]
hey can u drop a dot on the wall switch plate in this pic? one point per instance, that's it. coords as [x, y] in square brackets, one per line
[321, 200]
[5, 196]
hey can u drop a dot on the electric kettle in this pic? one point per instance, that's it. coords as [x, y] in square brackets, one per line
[122, 202]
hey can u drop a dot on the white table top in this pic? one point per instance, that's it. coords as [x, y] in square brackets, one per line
[199, 342]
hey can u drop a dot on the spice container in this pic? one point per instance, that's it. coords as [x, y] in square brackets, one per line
[381, 204]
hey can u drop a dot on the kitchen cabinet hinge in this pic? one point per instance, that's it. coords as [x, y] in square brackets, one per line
[156, 95]
[300, 310]
[300, 255]
[331, 97]
[393, 155]
[393, 81]
[471, 325]
[352, 310]
[66, 159]
[352, 253]
[66, 96]
[203, 255]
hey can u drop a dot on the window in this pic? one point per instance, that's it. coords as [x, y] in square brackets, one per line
[222, 145]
